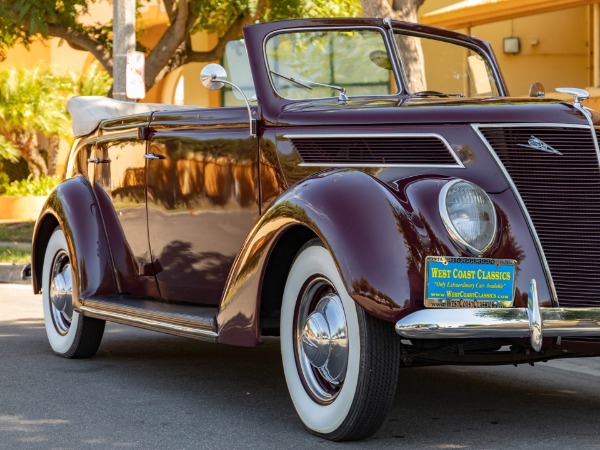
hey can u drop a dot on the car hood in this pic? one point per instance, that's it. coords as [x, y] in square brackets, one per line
[421, 111]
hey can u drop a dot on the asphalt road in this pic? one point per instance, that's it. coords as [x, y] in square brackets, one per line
[145, 390]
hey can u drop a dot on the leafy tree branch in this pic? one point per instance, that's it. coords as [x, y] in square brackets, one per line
[24, 21]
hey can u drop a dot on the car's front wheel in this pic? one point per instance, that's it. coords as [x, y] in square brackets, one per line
[341, 364]
[70, 334]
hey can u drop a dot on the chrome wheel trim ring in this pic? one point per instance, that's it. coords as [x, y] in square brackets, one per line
[322, 340]
[61, 293]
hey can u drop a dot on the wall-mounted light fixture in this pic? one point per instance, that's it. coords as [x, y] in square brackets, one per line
[512, 45]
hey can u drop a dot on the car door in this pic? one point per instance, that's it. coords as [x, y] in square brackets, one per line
[120, 184]
[202, 199]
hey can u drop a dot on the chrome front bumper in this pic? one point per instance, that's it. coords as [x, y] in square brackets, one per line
[533, 322]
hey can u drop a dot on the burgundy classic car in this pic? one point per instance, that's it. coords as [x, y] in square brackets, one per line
[369, 193]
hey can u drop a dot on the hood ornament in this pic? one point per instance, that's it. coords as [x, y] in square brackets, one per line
[538, 144]
[579, 95]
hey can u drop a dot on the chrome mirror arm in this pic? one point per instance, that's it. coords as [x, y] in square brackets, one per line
[250, 118]
[212, 77]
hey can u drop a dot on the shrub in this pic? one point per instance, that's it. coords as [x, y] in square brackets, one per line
[29, 186]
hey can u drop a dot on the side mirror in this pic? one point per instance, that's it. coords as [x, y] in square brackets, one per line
[380, 59]
[537, 90]
[214, 77]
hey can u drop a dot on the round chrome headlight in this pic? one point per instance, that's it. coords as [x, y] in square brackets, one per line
[469, 216]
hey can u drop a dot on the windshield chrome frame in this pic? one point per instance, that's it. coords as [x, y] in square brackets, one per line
[497, 78]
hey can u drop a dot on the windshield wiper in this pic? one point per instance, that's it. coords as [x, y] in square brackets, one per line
[307, 84]
[292, 79]
[423, 94]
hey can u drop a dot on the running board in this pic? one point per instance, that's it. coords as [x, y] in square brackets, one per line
[198, 322]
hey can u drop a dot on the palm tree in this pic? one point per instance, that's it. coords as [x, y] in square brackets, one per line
[31, 102]
[8, 151]
[34, 101]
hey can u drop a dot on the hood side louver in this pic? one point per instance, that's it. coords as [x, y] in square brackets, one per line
[375, 151]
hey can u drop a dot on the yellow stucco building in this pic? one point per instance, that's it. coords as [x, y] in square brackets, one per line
[557, 39]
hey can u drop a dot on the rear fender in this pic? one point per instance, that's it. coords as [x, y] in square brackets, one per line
[72, 206]
[359, 220]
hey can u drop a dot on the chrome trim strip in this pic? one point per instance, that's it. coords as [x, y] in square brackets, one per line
[122, 126]
[152, 322]
[380, 166]
[444, 141]
[528, 124]
[536, 238]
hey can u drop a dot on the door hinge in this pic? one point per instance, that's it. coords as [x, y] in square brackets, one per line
[145, 132]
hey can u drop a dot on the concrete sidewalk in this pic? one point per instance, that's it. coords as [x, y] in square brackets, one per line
[11, 273]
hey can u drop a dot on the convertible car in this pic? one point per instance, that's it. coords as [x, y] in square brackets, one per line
[369, 192]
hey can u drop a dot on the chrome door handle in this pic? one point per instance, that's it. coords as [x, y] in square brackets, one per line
[154, 156]
[98, 161]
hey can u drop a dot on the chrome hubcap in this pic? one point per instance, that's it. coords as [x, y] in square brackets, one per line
[61, 293]
[323, 341]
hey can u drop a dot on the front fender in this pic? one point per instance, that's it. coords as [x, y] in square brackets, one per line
[72, 206]
[369, 233]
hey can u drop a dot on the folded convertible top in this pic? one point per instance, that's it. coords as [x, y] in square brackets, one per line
[88, 111]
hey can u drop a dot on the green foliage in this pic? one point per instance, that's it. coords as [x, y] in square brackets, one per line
[21, 21]
[287, 9]
[8, 151]
[34, 101]
[93, 82]
[217, 15]
[15, 255]
[23, 188]
[31, 100]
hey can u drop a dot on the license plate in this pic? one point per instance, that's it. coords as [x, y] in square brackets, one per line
[469, 282]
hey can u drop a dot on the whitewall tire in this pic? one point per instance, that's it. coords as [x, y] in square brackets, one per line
[69, 333]
[340, 364]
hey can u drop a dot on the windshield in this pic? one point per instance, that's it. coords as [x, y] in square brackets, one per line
[316, 64]
[434, 66]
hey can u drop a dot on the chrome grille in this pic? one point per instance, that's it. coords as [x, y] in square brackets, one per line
[374, 150]
[562, 196]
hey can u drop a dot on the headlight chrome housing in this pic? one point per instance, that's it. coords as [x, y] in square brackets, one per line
[469, 216]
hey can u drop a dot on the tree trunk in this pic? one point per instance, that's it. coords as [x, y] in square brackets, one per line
[411, 52]
[53, 149]
[27, 145]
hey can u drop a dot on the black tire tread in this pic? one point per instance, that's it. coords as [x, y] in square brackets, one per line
[380, 365]
[87, 341]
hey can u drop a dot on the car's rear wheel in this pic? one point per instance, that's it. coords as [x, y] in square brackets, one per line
[69, 333]
[341, 364]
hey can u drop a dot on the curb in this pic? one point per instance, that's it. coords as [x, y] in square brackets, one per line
[11, 273]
